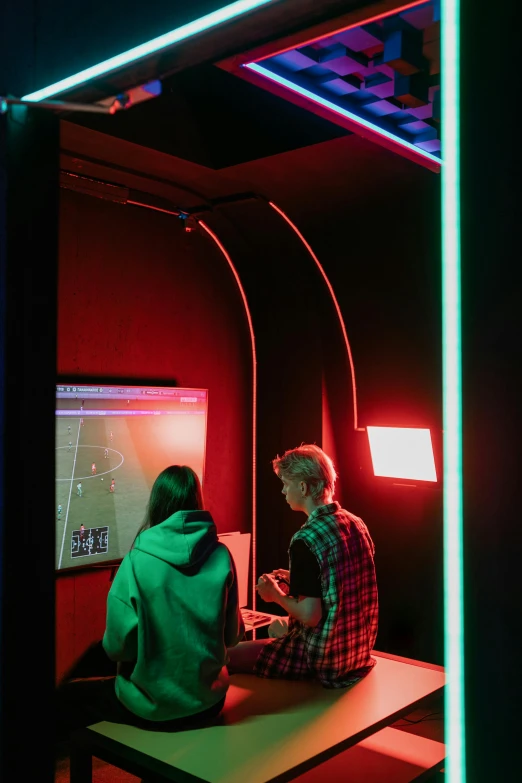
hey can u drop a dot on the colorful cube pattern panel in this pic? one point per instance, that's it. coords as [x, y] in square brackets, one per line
[385, 72]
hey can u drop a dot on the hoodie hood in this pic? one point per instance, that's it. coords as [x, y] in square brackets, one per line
[183, 540]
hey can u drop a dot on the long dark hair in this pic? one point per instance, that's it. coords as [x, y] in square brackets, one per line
[177, 488]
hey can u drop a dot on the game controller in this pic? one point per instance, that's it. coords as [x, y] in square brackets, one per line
[279, 580]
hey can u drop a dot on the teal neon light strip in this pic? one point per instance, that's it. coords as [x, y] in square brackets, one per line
[138, 52]
[455, 768]
[339, 110]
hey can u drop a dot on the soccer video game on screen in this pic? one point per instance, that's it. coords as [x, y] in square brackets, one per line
[111, 444]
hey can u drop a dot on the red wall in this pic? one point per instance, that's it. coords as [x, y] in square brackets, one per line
[140, 298]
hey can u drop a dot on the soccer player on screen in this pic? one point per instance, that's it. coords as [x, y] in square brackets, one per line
[113, 486]
[106, 453]
[110, 436]
[79, 488]
[70, 446]
[59, 510]
[82, 532]
[93, 468]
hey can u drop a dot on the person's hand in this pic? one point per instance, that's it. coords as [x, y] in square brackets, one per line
[282, 573]
[278, 628]
[267, 588]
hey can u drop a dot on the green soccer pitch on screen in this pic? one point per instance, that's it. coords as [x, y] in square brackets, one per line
[111, 443]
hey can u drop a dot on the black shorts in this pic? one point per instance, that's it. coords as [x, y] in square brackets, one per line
[82, 702]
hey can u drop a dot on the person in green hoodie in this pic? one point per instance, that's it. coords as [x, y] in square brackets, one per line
[172, 612]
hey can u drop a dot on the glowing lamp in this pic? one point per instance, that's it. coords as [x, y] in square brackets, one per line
[402, 453]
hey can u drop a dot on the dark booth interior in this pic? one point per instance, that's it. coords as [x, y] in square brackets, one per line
[221, 235]
[372, 219]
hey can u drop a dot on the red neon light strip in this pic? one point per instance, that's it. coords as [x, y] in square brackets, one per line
[336, 303]
[367, 20]
[254, 407]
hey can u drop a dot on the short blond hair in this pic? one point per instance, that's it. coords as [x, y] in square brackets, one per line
[308, 463]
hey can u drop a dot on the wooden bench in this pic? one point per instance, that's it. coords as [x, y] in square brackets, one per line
[277, 730]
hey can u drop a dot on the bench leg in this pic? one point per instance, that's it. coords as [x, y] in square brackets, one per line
[81, 765]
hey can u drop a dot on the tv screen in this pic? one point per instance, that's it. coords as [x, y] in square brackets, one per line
[111, 444]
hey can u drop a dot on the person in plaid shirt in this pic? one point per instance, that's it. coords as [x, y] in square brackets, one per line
[332, 599]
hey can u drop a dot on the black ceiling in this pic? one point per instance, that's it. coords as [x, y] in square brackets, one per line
[211, 117]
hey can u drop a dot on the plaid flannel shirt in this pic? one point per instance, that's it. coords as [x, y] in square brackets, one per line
[337, 650]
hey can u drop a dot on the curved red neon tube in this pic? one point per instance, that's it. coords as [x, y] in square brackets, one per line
[336, 303]
[254, 403]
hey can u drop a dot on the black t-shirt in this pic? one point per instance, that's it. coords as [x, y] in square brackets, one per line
[304, 571]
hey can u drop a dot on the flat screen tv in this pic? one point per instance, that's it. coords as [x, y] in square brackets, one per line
[111, 443]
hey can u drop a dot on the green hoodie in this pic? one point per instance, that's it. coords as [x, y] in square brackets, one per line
[172, 611]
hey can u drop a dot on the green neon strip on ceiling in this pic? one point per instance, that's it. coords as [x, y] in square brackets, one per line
[213, 19]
